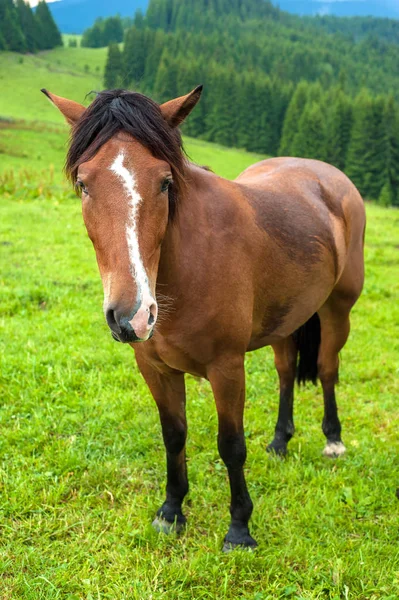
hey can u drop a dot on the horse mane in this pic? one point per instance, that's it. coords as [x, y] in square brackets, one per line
[120, 110]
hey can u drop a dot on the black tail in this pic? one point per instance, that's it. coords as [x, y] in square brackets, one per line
[307, 339]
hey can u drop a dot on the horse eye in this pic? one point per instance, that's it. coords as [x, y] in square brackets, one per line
[80, 186]
[165, 185]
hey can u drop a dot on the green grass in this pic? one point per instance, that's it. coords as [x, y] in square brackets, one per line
[68, 36]
[62, 71]
[31, 146]
[81, 455]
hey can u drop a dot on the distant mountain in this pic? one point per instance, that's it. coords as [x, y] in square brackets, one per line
[342, 8]
[74, 16]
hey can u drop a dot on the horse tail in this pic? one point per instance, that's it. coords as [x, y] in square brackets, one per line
[307, 339]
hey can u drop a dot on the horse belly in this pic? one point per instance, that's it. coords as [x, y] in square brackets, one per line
[288, 302]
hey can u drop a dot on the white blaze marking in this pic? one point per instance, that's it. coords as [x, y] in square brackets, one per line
[107, 284]
[129, 183]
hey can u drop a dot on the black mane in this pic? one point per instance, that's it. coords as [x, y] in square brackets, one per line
[120, 110]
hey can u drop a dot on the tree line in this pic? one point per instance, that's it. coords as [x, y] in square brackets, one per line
[104, 32]
[356, 28]
[25, 30]
[273, 83]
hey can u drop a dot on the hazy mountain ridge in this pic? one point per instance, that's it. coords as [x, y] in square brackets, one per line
[74, 16]
[342, 8]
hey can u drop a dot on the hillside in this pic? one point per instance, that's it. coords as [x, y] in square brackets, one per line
[38, 138]
[273, 83]
[71, 72]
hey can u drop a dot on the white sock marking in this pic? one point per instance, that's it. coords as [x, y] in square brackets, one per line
[334, 449]
[129, 183]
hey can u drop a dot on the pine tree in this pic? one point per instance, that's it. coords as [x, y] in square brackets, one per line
[292, 117]
[139, 20]
[165, 86]
[189, 76]
[378, 150]
[10, 28]
[134, 55]
[357, 160]
[221, 116]
[155, 49]
[368, 152]
[112, 31]
[269, 123]
[281, 102]
[93, 37]
[386, 197]
[50, 34]
[29, 25]
[244, 95]
[339, 111]
[113, 69]
[310, 140]
[392, 127]
[258, 119]
[159, 14]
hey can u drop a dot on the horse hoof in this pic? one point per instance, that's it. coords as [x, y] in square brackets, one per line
[249, 546]
[334, 449]
[277, 449]
[163, 526]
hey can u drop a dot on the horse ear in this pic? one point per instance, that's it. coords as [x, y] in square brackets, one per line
[71, 110]
[175, 111]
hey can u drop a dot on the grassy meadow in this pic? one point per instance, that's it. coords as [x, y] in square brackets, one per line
[82, 466]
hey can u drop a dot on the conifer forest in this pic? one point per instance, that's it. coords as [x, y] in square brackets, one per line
[274, 83]
[25, 30]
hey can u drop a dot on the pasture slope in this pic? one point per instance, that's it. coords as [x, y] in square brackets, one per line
[38, 137]
[81, 456]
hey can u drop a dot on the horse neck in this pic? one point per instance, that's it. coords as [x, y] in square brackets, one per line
[207, 200]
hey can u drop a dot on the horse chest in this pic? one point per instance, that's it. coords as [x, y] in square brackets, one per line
[173, 353]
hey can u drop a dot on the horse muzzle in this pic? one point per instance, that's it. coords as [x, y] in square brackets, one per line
[138, 328]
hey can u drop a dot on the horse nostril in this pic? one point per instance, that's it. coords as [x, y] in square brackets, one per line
[152, 310]
[111, 320]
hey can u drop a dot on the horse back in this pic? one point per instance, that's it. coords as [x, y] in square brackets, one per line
[306, 206]
[313, 221]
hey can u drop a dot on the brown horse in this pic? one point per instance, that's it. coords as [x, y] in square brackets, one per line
[272, 258]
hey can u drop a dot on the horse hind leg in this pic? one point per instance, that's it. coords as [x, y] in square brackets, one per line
[285, 359]
[335, 326]
[334, 320]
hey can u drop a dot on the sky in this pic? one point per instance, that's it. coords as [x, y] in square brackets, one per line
[34, 2]
[393, 3]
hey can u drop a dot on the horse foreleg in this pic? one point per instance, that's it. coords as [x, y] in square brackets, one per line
[227, 379]
[285, 354]
[169, 393]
